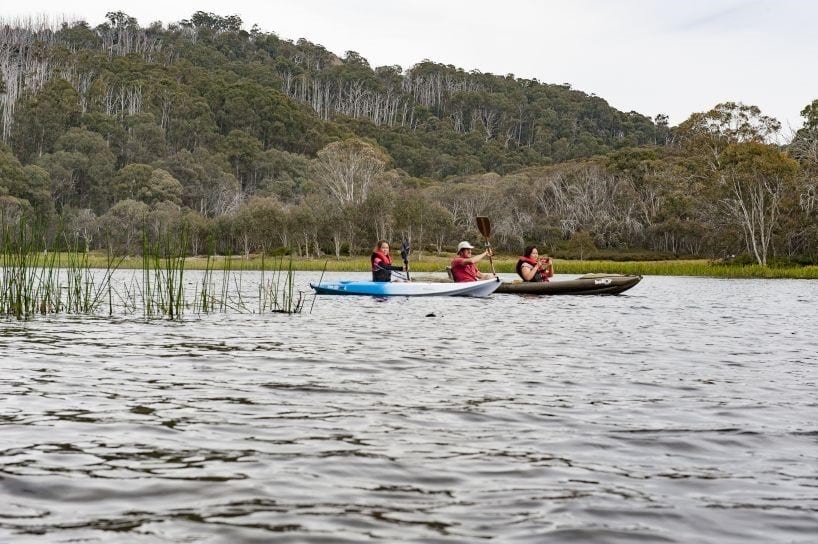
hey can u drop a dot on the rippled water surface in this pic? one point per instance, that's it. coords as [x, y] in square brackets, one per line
[682, 411]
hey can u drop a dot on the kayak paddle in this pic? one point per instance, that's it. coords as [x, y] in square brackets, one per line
[404, 253]
[484, 226]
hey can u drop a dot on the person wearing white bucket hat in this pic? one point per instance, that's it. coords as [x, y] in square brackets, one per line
[464, 264]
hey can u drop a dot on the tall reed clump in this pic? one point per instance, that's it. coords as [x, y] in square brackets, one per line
[163, 274]
[278, 294]
[87, 288]
[210, 297]
[20, 289]
[33, 280]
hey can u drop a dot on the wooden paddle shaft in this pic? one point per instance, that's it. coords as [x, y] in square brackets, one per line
[484, 226]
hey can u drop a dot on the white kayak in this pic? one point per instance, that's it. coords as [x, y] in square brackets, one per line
[482, 288]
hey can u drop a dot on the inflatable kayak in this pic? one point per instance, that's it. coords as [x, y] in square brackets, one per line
[591, 284]
[481, 288]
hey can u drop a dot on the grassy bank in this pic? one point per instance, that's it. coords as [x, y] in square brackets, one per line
[438, 263]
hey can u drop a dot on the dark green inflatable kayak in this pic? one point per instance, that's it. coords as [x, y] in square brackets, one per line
[590, 284]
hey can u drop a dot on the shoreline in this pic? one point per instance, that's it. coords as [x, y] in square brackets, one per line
[502, 264]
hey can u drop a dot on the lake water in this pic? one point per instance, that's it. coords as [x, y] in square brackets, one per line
[685, 410]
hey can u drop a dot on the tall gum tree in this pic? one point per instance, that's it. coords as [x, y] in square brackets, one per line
[756, 178]
[347, 170]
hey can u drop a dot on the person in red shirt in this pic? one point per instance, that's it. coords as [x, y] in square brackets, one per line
[463, 266]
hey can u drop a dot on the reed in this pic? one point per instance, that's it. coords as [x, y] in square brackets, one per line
[20, 261]
[34, 281]
[163, 274]
[278, 294]
[88, 287]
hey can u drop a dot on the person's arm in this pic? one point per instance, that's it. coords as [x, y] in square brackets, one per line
[527, 271]
[474, 259]
[380, 265]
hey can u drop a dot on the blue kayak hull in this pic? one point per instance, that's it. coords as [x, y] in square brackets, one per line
[481, 288]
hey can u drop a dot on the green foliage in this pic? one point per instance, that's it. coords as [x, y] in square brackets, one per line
[257, 142]
[41, 118]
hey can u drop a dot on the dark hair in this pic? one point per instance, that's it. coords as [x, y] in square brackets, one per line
[527, 251]
[379, 244]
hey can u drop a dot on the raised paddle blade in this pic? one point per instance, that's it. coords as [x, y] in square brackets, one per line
[484, 226]
[404, 254]
[404, 251]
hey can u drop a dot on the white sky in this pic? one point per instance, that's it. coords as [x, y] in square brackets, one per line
[651, 56]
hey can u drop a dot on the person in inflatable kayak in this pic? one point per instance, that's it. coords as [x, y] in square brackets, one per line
[531, 268]
[382, 262]
[463, 266]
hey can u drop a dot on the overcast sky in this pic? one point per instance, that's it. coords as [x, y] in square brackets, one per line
[650, 56]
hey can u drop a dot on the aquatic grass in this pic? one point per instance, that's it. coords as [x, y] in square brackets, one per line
[320, 279]
[204, 301]
[34, 281]
[88, 287]
[278, 294]
[20, 289]
[163, 272]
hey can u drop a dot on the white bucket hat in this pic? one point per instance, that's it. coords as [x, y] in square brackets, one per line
[464, 245]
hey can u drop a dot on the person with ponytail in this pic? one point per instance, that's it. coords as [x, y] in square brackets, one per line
[531, 268]
[382, 262]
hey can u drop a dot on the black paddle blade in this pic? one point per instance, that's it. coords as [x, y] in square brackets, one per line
[484, 226]
[404, 251]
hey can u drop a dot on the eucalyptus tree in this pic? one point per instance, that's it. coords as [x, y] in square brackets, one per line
[80, 226]
[43, 116]
[123, 224]
[199, 230]
[282, 174]
[756, 180]
[803, 225]
[30, 184]
[207, 185]
[37, 190]
[187, 119]
[709, 133]
[64, 168]
[164, 223]
[469, 197]
[145, 139]
[804, 146]
[146, 184]
[257, 224]
[376, 214]
[242, 150]
[304, 222]
[93, 166]
[348, 170]
[438, 226]
[420, 220]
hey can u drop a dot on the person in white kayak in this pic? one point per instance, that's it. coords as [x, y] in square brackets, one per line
[464, 264]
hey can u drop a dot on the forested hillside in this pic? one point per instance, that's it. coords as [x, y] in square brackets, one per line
[257, 143]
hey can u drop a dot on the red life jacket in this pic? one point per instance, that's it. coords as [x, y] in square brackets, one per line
[539, 272]
[385, 259]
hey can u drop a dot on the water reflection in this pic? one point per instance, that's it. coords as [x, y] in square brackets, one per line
[682, 411]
